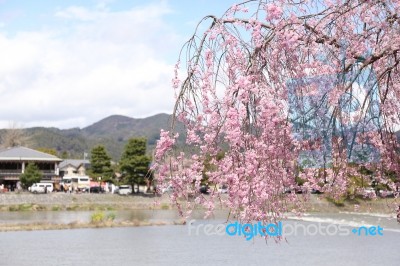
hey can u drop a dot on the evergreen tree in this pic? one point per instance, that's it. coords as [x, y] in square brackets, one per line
[134, 162]
[31, 175]
[100, 163]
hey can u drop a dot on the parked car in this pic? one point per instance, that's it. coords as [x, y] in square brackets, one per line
[366, 192]
[125, 189]
[386, 193]
[295, 189]
[316, 191]
[78, 183]
[205, 189]
[168, 189]
[223, 189]
[96, 189]
[41, 188]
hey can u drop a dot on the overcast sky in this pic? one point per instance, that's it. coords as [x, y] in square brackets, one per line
[71, 63]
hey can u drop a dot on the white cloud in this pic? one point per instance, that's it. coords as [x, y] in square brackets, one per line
[77, 12]
[96, 64]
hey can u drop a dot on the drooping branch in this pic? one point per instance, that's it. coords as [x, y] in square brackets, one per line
[289, 92]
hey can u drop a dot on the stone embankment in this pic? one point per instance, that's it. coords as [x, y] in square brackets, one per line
[85, 201]
[25, 201]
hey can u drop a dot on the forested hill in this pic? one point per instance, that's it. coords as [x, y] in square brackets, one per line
[112, 132]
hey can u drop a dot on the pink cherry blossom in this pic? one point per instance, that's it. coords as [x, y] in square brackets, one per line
[281, 91]
[273, 11]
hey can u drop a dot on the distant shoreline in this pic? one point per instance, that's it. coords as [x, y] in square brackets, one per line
[80, 225]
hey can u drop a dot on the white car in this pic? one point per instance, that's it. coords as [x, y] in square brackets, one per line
[41, 188]
[168, 189]
[223, 189]
[125, 189]
[367, 192]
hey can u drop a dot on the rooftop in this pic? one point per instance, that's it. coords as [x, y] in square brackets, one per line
[73, 162]
[25, 154]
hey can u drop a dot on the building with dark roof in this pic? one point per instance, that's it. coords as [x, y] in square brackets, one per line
[13, 162]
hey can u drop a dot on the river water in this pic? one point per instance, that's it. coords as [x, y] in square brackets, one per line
[191, 245]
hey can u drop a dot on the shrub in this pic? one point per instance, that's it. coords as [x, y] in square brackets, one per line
[56, 208]
[111, 216]
[97, 217]
[338, 202]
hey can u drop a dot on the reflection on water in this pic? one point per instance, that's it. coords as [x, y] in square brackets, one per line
[172, 245]
[387, 221]
[58, 217]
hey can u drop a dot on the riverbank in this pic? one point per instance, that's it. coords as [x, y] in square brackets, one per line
[81, 225]
[58, 201]
[106, 204]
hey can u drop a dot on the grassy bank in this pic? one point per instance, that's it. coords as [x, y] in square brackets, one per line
[319, 203]
[79, 202]
[111, 202]
[80, 225]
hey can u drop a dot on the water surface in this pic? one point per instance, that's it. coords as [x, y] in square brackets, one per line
[180, 245]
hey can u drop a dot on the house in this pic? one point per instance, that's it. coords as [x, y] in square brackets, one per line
[14, 160]
[74, 167]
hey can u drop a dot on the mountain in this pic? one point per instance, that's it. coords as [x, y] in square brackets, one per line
[113, 132]
[121, 128]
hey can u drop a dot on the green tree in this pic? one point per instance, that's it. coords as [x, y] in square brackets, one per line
[64, 155]
[31, 175]
[100, 163]
[134, 162]
[48, 151]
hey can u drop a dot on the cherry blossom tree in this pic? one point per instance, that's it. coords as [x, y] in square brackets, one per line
[286, 90]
